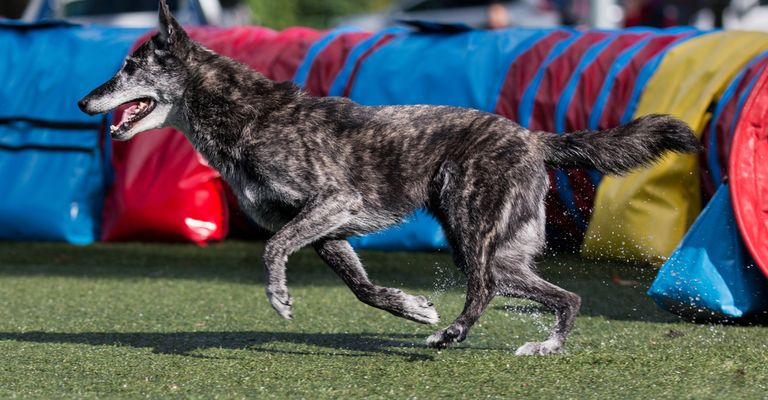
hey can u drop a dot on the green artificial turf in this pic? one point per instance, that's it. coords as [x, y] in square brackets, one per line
[148, 321]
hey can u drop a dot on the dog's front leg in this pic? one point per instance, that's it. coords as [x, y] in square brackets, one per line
[320, 216]
[340, 256]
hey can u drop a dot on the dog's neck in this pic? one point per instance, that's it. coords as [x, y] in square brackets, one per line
[222, 100]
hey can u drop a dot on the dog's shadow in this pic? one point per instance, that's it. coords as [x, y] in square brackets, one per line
[188, 343]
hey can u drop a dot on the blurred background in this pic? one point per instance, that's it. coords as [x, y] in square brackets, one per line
[377, 14]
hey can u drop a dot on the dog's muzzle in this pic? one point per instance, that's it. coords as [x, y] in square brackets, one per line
[83, 104]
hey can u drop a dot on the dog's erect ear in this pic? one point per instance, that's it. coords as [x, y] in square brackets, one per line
[170, 31]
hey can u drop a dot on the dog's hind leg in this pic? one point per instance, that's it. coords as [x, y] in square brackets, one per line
[320, 216]
[522, 282]
[512, 265]
[469, 214]
[479, 294]
[514, 276]
[340, 256]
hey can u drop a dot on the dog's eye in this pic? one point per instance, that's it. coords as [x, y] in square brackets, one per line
[130, 67]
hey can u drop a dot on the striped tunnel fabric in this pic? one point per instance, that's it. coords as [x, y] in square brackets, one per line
[718, 134]
[325, 60]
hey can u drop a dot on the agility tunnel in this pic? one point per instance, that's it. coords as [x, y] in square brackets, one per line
[155, 187]
[715, 272]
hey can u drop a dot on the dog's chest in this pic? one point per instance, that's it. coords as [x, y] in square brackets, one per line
[257, 193]
[260, 192]
[270, 206]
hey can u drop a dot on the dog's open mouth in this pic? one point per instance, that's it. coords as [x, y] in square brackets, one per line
[133, 112]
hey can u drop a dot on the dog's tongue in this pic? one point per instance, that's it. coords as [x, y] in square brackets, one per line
[129, 113]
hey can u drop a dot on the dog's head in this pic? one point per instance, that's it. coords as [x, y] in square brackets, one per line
[150, 84]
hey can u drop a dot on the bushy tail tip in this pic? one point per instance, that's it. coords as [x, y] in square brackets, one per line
[619, 150]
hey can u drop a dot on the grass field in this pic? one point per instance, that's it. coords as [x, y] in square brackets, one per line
[136, 321]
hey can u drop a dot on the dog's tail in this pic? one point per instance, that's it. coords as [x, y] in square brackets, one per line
[619, 150]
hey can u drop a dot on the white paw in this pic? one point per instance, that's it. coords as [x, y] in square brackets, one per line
[419, 309]
[544, 348]
[283, 304]
[436, 340]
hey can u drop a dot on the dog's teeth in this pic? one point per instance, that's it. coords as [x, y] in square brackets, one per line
[113, 128]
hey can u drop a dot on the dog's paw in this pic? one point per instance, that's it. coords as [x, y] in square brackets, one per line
[404, 305]
[419, 309]
[446, 337]
[544, 348]
[281, 302]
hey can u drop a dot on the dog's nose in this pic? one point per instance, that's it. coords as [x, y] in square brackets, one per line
[83, 103]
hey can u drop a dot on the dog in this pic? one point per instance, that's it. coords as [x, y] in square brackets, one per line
[316, 170]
